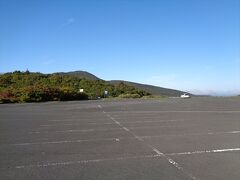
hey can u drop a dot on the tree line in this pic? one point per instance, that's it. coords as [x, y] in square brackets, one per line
[28, 86]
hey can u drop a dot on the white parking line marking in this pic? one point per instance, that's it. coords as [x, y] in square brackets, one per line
[74, 130]
[154, 127]
[229, 132]
[206, 151]
[87, 130]
[106, 123]
[75, 124]
[138, 127]
[84, 161]
[159, 154]
[156, 112]
[192, 134]
[126, 129]
[171, 161]
[52, 125]
[71, 141]
[151, 121]
[140, 138]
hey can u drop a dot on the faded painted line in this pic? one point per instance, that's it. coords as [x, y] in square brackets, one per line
[65, 120]
[158, 112]
[192, 134]
[65, 131]
[87, 130]
[74, 130]
[157, 151]
[106, 129]
[159, 154]
[171, 161]
[53, 125]
[100, 123]
[150, 121]
[76, 119]
[63, 142]
[144, 137]
[108, 123]
[74, 124]
[154, 127]
[205, 151]
[230, 132]
[201, 111]
[140, 138]
[67, 163]
[127, 122]
[126, 129]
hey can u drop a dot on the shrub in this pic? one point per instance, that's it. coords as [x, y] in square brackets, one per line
[68, 94]
[36, 87]
[129, 96]
[7, 96]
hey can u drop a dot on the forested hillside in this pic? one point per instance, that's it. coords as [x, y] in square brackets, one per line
[154, 90]
[37, 87]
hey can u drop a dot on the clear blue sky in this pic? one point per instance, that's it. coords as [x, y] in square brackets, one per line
[192, 45]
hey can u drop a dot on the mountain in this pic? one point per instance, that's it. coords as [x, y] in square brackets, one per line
[154, 90]
[80, 75]
[28, 86]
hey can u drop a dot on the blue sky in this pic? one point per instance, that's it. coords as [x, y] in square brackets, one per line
[191, 45]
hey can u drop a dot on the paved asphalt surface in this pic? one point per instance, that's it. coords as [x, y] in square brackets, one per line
[197, 138]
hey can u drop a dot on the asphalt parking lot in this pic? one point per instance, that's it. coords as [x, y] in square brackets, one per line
[197, 138]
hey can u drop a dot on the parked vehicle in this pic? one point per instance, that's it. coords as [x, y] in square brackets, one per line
[185, 95]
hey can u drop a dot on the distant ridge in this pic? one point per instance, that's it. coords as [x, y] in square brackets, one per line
[94, 80]
[80, 75]
[154, 90]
